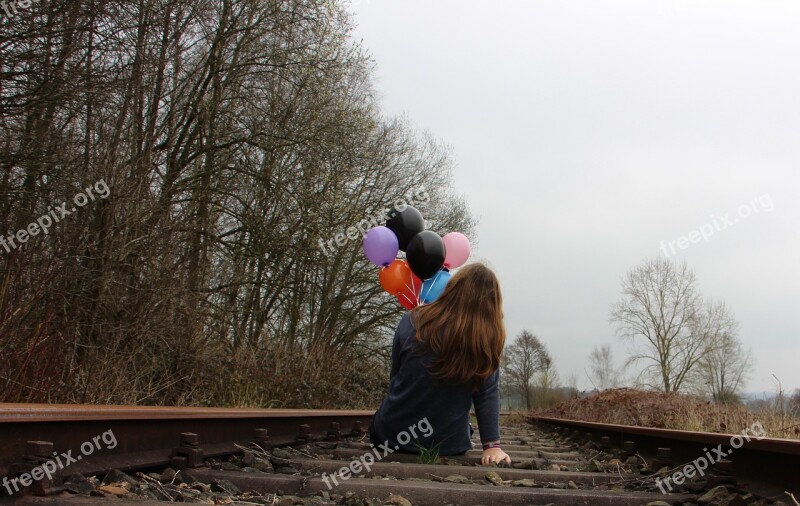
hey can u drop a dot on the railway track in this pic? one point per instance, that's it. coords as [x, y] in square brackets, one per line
[746, 460]
[240, 456]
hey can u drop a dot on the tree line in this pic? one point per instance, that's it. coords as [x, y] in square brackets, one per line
[678, 341]
[234, 136]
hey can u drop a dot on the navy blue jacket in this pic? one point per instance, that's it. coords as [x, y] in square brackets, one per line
[434, 411]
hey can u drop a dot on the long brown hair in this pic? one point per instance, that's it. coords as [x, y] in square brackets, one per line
[464, 327]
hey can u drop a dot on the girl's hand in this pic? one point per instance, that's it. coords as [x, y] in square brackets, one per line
[495, 456]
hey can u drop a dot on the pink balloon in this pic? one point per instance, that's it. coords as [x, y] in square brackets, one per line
[456, 247]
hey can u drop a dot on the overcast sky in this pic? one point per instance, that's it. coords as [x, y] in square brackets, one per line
[586, 133]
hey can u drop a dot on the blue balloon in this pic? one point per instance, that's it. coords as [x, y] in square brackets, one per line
[433, 287]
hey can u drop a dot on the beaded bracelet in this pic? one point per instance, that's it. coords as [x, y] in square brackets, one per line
[486, 446]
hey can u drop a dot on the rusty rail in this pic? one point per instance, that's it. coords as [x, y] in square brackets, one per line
[768, 466]
[157, 437]
[147, 436]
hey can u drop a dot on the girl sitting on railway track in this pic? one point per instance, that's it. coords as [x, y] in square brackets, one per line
[445, 357]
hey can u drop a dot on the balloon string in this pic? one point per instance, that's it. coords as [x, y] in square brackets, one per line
[411, 288]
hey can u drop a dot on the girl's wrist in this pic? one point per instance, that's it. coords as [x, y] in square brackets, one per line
[490, 445]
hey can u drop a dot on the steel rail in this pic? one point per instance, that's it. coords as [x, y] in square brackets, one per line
[764, 464]
[153, 437]
[146, 436]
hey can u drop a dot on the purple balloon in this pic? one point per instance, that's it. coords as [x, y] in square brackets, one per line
[380, 245]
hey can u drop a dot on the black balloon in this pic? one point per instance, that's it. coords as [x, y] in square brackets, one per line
[425, 254]
[405, 224]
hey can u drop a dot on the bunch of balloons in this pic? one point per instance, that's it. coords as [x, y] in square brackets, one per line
[423, 275]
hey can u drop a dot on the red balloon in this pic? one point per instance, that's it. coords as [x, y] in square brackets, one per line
[407, 301]
[409, 296]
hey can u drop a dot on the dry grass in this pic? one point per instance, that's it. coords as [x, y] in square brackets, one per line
[668, 410]
[316, 378]
[42, 365]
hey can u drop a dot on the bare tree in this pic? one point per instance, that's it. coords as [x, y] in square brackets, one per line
[572, 385]
[602, 374]
[523, 360]
[656, 316]
[235, 136]
[794, 403]
[544, 384]
[724, 369]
